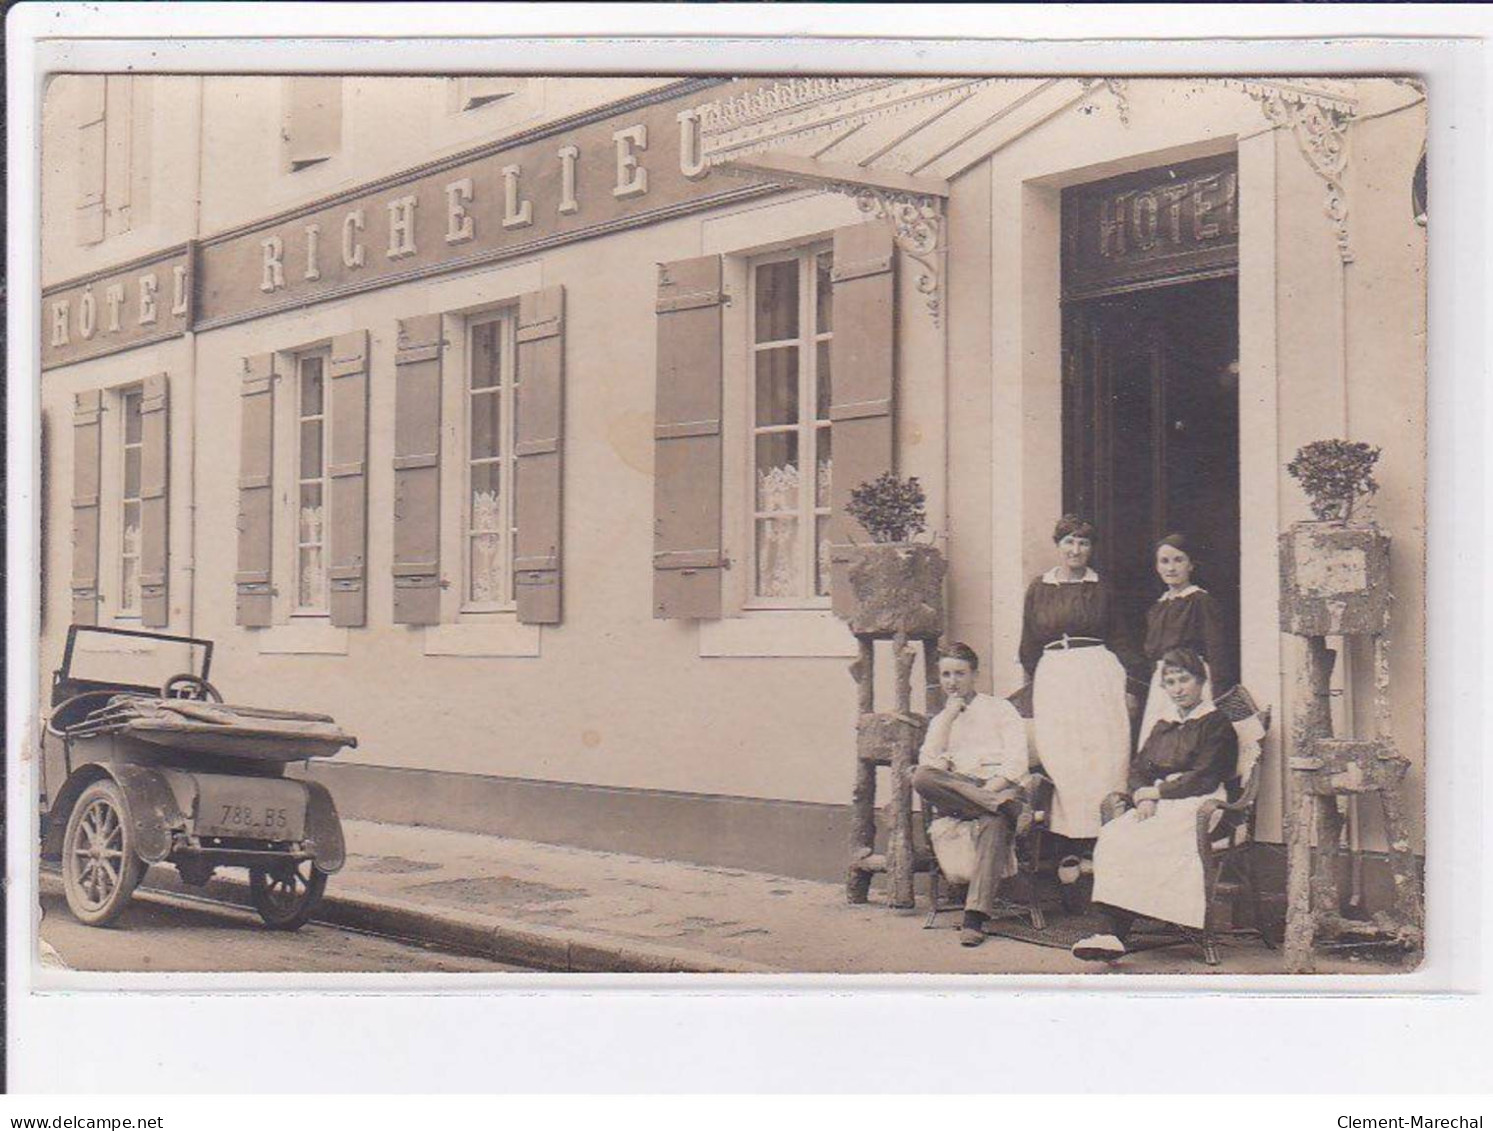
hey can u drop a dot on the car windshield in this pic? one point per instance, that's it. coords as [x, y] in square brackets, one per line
[137, 659]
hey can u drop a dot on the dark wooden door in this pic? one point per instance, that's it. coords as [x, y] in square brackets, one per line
[1151, 433]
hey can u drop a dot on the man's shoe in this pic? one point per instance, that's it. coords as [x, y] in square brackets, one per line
[1099, 948]
[971, 936]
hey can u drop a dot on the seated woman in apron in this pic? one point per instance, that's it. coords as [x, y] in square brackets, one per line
[1186, 616]
[1146, 861]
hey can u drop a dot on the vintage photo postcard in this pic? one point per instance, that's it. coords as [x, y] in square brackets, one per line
[871, 524]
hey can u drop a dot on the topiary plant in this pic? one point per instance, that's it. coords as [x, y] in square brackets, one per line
[1335, 474]
[891, 509]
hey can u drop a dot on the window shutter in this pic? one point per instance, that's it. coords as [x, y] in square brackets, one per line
[313, 119]
[87, 441]
[119, 93]
[346, 467]
[687, 441]
[255, 491]
[155, 455]
[862, 360]
[91, 158]
[417, 471]
[538, 440]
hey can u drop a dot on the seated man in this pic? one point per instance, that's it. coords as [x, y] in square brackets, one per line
[971, 768]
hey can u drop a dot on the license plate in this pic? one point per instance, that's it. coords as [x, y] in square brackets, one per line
[251, 808]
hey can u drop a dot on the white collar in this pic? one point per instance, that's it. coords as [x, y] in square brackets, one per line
[1169, 713]
[1169, 595]
[1054, 576]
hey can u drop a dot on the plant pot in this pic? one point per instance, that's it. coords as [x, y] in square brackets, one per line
[884, 588]
[1334, 579]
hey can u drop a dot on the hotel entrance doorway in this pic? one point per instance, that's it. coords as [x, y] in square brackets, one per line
[1151, 377]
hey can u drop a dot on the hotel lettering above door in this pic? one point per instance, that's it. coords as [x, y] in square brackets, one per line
[1171, 222]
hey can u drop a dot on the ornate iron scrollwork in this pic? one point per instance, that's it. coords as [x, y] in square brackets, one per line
[1320, 127]
[918, 230]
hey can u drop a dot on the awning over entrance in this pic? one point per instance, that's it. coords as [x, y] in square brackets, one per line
[894, 144]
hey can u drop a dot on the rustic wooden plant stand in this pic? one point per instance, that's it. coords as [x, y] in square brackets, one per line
[891, 592]
[1335, 583]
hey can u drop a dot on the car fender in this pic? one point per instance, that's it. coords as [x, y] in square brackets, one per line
[150, 805]
[324, 828]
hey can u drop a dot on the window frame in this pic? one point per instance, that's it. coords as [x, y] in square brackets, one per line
[809, 426]
[506, 318]
[323, 354]
[123, 398]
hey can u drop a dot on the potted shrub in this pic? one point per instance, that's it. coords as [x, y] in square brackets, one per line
[893, 583]
[1334, 570]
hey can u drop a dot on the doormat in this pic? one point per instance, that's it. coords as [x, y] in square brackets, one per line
[1061, 932]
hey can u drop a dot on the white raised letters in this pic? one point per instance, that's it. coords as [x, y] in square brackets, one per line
[401, 227]
[179, 289]
[273, 277]
[691, 152]
[516, 213]
[87, 314]
[313, 243]
[632, 179]
[352, 250]
[568, 156]
[148, 285]
[113, 300]
[459, 227]
[59, 322]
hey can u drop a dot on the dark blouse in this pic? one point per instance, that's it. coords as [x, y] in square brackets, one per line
[1203, 751]
[1194, 621]
[1077, 608]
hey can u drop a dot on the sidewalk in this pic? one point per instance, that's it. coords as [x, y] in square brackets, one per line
[555, 908]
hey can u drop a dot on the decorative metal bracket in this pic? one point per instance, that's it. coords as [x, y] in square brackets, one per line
[1118, 89]
[1319, 123]
[918, 229]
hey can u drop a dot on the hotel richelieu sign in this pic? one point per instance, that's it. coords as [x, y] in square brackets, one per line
[625, 166]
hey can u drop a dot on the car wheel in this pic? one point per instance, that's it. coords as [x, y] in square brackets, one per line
[286, 896]
[99, 867]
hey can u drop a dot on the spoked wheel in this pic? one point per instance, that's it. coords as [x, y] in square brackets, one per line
[286, 896]
[99, 867]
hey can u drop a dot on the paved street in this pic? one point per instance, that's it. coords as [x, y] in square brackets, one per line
[153, 936]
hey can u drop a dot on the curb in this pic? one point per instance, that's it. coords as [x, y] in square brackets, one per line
[549, 949]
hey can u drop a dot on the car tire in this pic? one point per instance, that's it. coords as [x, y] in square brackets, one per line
[286, 896]
[100, 869]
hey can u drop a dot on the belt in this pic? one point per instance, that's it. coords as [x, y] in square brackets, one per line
[1068, 642]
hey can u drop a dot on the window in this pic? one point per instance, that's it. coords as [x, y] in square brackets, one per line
[311, 485]
[105, 157]
[491, 397]
[790, 382]
[132, 448]
[312, 127]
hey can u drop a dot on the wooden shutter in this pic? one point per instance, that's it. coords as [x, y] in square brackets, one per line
[92, 157]
[155, 458]
[862, 362]
[346, 468]
[87, 450]
[255, 491]
[313, 119]
[417, 471]
[538, 440]
[687, 441]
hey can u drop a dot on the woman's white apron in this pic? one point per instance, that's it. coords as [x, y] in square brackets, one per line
[1082, 732]
[1152, 867]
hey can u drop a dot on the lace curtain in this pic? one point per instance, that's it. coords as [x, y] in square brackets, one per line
[487, 564]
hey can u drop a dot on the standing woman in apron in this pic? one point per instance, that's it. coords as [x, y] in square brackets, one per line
[1186, 616]
[1076, 661]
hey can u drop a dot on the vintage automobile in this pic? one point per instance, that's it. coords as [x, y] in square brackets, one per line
[136, 772]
